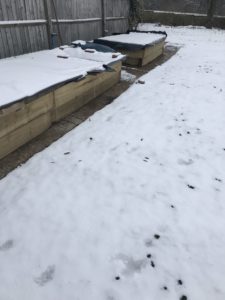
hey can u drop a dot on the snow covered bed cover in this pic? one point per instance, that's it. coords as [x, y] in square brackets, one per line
[133, 39]
[26, 75]
[131, 204]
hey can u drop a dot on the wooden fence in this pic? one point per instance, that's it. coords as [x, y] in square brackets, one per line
[186, 6]
[32, 25]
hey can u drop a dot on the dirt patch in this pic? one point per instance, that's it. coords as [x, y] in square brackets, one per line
[59, 129]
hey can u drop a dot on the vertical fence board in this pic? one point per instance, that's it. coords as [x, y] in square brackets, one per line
[117, 8]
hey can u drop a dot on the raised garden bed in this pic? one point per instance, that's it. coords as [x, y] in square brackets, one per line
[140, 48]
[41, 88]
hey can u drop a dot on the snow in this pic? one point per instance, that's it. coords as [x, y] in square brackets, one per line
[90, 207]
[135, 38]
[79, 42]
[26, 75]
[21, 22]
[181, 13]
[176, 13]
[94, 55]
[126, 76]
[76, 20]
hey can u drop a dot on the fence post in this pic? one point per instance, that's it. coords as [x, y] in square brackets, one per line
[48, 22]
[142, 11]
[103, 17]
[211, 12]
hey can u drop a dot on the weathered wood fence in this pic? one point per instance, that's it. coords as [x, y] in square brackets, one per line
[32, 25]
[187, 6]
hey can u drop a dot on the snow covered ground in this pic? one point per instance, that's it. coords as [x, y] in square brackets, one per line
[131, 204]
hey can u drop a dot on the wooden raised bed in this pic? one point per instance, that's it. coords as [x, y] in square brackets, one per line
[22, 121]
[139, 48]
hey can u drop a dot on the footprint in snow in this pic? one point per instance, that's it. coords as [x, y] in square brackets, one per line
[109, 119]
[131, 265]
[198, 131]
[46, 276]
[185, 162]
[148, 243]
[7, 245]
